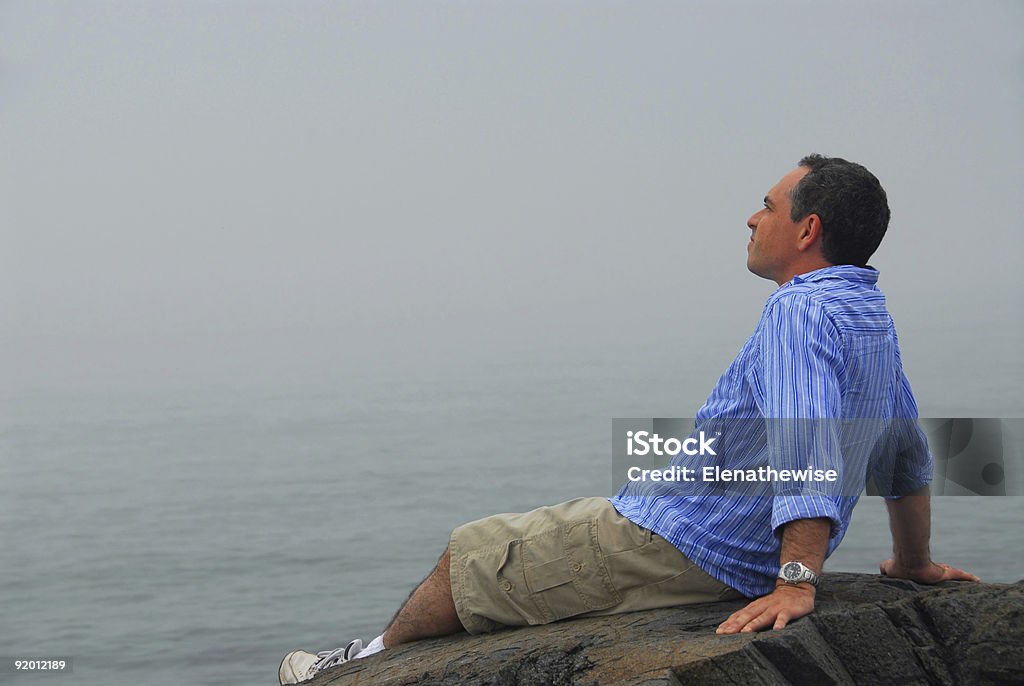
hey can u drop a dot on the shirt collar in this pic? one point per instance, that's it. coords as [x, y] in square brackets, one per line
[848, 272]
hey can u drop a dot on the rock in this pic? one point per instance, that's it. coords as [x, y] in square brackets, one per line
[865, 630]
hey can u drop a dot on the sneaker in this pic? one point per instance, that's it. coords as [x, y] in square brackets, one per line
[298, 665]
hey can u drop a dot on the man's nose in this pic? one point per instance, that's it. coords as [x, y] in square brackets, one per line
[752, 222]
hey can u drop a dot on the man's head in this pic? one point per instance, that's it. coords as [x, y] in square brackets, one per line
[826, 211]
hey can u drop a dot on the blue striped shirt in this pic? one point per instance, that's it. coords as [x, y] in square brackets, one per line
[819, 383]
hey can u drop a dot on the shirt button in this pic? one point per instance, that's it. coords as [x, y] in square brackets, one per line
[506, 586]
[576, 566]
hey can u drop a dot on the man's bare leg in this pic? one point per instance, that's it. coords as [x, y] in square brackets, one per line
[428, 611]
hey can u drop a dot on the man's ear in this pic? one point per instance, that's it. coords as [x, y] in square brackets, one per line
[809, 235]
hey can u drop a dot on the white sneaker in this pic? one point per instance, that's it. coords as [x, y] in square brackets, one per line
[298, 665]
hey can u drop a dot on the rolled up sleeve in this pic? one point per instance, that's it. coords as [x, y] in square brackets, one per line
[786, 508]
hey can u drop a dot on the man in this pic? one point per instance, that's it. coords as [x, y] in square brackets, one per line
[819, 384]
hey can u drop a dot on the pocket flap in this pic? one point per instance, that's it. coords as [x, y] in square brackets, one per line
[548, 575]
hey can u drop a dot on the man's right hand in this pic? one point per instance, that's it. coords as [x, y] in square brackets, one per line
[931, 573]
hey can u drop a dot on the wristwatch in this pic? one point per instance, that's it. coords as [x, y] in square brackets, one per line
[797, 572]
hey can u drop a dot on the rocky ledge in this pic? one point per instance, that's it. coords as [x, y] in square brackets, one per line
[866, 630]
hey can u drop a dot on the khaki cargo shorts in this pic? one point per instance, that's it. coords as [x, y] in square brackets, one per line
[577, 558]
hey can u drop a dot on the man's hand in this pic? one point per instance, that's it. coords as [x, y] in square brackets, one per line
[786, 603]
[930, 573]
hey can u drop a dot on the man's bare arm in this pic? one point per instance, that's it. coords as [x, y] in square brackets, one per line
[803, 540]
[910, 523]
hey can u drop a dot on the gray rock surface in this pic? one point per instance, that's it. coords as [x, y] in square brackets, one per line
[865, 630]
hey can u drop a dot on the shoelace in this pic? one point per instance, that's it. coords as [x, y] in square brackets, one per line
[329, 658]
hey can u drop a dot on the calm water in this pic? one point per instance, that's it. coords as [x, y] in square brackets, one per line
[194, 535]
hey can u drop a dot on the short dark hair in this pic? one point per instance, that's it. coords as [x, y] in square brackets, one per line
[851, 203]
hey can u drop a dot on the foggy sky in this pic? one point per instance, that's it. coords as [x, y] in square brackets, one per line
[206, 191]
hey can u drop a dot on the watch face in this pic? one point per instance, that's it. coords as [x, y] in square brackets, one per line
[791, 570]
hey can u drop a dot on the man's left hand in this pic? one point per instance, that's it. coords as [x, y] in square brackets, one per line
[786, 603]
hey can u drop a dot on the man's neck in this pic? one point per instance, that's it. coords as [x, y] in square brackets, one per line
[802, 267]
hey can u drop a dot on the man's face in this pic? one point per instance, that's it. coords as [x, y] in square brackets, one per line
[773, 237]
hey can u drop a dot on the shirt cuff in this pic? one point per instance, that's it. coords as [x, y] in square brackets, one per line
[908, 484]
[908, 490]
[786, 508]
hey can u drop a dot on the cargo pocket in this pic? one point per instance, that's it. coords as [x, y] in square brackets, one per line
[565, 572]
[655, 562]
